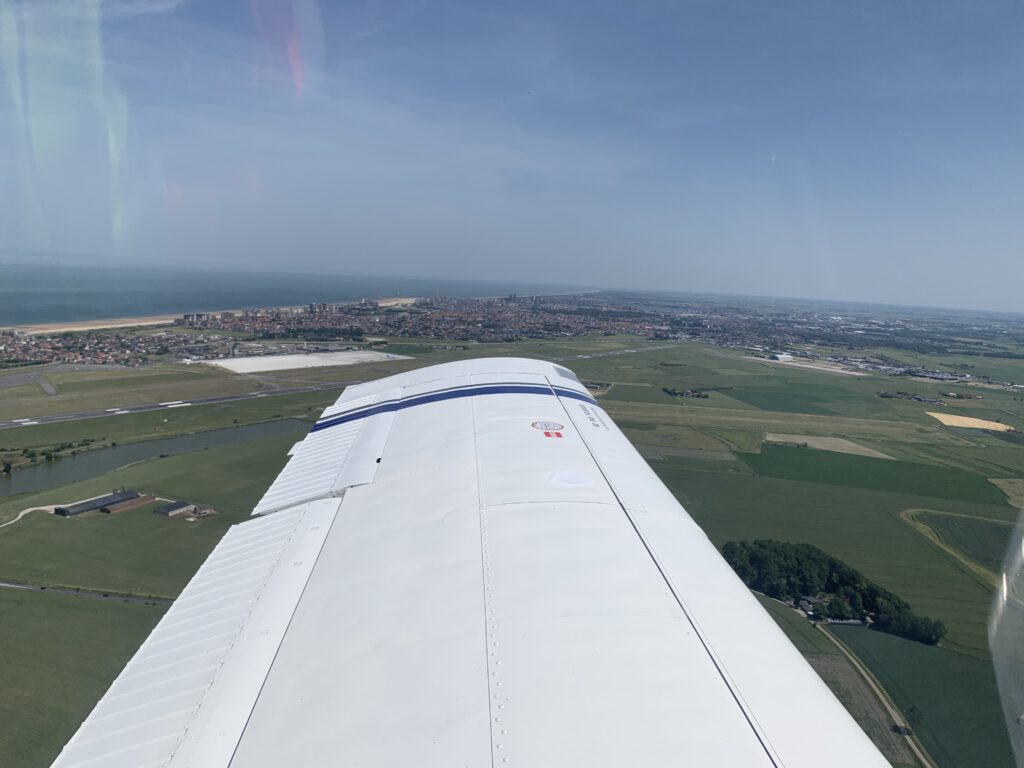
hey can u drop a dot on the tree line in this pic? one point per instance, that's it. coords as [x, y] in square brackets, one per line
[793, 571]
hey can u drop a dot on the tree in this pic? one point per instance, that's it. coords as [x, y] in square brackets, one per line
[838, 608]
[790, 571]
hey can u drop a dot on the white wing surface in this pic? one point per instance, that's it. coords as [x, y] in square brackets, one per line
[467, 565]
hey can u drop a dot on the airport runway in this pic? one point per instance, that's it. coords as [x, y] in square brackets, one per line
[613, 353]
[325, 387]
[30, 421]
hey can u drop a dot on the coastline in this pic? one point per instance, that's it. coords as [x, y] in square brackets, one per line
[111, 323]
[96, 325]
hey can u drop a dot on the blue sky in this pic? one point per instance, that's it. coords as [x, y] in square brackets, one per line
[859, 150]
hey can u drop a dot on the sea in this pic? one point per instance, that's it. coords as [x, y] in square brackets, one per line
[33, 294]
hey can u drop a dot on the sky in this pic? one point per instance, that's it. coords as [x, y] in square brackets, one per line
[868, 150]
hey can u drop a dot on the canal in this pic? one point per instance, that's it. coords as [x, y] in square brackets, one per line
[88, 464]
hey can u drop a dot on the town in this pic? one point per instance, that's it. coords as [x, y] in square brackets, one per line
[849, 338]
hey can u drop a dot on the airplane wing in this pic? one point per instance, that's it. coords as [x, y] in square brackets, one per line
[467, 565]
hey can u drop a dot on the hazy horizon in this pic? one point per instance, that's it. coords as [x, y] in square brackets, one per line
[864, 152]
[456, 287]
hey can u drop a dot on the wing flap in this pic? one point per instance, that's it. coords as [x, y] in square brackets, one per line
[207, 658]
[340, 452]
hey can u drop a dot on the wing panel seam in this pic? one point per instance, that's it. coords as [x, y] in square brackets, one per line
[759, 734]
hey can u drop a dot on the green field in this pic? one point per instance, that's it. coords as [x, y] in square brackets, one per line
[60, 654]
[137, 552]
[97, 389]
[637, 393]
[983, 541]
[168, 422]
[859, 526]
[759, 422]
[961, 724]
[987, 457]
[784, 400]
[831, 468]
[799, 630]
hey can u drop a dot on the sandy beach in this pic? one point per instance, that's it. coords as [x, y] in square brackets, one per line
[95, 325]
[398, 301]
[153, 320]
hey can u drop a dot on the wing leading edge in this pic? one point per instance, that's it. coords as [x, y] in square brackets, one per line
[467, 564]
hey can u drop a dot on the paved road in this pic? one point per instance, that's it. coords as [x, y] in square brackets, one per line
[29, 421]
[34, 377]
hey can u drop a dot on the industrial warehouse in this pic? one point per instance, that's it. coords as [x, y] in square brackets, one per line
[125, 499]
[117, 501]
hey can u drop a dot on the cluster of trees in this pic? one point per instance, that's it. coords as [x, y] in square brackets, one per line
[47, 453]
[792, 571]
[684, 393]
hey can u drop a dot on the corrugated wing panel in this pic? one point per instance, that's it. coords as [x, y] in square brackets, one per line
[312, 469]
[330, 460]
[150, 708]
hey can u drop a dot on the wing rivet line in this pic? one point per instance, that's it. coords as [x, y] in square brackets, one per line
[493, 662]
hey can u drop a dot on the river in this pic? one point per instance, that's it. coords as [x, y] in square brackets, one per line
[89, 464]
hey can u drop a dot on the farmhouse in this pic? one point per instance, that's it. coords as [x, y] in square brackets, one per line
[176, 508]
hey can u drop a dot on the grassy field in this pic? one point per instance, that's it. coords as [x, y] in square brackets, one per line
[985, 456]
[831, 468]
[759, 422]
[961, 724]
[861, 527]
[91, 389]
[639, 393]
[1013, 487]
[59, 655]
[799, 630]
[150, 425]
[140, 553]
[796, 400]
[983, 541]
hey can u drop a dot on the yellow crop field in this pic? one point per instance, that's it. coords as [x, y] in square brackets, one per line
[967, 422]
